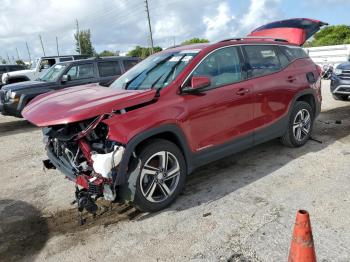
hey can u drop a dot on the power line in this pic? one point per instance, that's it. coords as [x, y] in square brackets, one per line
[58, 51]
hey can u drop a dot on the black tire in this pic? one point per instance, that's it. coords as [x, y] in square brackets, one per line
[150, 149]
[289, 138]
[341, 97]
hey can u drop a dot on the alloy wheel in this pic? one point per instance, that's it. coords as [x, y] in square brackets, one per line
[159, 176]
[302, 125]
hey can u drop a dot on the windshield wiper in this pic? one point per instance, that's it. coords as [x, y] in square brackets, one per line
[172, 69]
[147, 72]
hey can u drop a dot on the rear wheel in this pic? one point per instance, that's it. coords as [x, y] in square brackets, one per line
[161, 177]
[300, 125]
[341, 97]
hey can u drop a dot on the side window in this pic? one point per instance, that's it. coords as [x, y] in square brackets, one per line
[262, 60]
[109, 68]
[223, 67]
[294, 52]
[47, 63]
[129, 64]
[284, 60]
[82, 71]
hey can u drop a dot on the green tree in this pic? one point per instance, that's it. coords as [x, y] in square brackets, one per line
[195, 41]
[20, 62]
[3, 61]
[143, 52]
[106, 53]
[331, 35]
[85, 42]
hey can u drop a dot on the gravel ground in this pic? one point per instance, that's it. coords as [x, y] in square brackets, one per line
[241, 208]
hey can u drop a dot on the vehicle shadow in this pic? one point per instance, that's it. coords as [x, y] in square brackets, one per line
[23, 231]
[216, 180]
[15, 127]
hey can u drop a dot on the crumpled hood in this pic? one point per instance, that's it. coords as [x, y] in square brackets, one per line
[80, 103]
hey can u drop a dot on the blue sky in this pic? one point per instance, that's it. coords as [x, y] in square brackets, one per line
[121, 24]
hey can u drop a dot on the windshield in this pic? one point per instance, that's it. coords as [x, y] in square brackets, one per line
[53, 73]
[157, 71]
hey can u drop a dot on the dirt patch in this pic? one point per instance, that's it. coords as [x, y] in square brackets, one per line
[67, 221]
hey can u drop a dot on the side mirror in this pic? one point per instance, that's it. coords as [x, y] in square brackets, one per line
[65, 78]
[197, 82]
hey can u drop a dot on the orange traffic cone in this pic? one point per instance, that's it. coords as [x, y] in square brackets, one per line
[302, 248]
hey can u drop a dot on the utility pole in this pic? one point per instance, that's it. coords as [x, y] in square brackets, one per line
[42, 45]
[17, 54]
[174, 41]
[58, 51]
[149, 26]
[78, 34]
[30, 59]
[8, 58]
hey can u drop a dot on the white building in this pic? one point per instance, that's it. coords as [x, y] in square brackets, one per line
[334, 55]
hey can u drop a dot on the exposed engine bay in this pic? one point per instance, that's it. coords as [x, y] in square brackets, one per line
[83, 153]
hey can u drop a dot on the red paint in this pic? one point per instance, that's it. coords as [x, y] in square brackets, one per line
[292, 35]
[82, 181]
[85, 149]
[217, 116]
[79, 103]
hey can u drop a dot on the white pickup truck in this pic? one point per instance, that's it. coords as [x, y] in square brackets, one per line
[38, 67]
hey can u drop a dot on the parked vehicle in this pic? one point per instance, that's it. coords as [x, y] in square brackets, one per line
[178, 110]
[9, 68]
[340, 82]
[327, 72]
[14, 97]
[38, 68]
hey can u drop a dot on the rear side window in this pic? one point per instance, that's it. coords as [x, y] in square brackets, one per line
[222, 66]
[109, 68]
[284, 60]
[294, 52]
[262, 60]
[129, 64]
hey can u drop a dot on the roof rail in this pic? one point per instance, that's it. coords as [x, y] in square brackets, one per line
[254, 37]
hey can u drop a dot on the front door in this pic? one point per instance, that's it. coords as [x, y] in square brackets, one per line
[222, 111]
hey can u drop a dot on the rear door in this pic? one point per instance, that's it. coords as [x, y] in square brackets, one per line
[273, 86]
[295, 31]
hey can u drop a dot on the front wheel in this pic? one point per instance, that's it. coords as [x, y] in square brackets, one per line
[299, 126]
[161, 177]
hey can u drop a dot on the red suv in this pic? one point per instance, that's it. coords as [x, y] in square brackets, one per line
[179, 109]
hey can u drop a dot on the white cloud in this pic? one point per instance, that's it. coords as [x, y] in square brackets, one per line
[221, 23]
[122, 24]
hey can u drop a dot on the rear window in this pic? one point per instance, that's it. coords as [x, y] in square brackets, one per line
[129, 64]
[109, 68]
[294, 52]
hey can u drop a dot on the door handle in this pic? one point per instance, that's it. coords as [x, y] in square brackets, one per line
[242, 91]
[291, 79]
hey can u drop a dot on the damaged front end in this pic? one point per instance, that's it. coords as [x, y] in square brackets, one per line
[83, 153]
